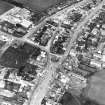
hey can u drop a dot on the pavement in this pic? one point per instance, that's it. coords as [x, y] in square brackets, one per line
[75, 35]
[42, 89]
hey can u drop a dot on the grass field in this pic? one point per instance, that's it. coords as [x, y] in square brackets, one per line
[40, 5]
[4, 7]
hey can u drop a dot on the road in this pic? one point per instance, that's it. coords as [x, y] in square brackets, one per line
[42, 89]
[59, 12]
[40, 92]
[75, 35]
[26, 39]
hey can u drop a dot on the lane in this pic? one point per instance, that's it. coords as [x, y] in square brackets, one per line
[57, 13]
[42, 89]
[71, 7]
[75, 35]
[40, 92]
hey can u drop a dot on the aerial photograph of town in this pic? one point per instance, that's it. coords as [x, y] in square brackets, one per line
[52, 52]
